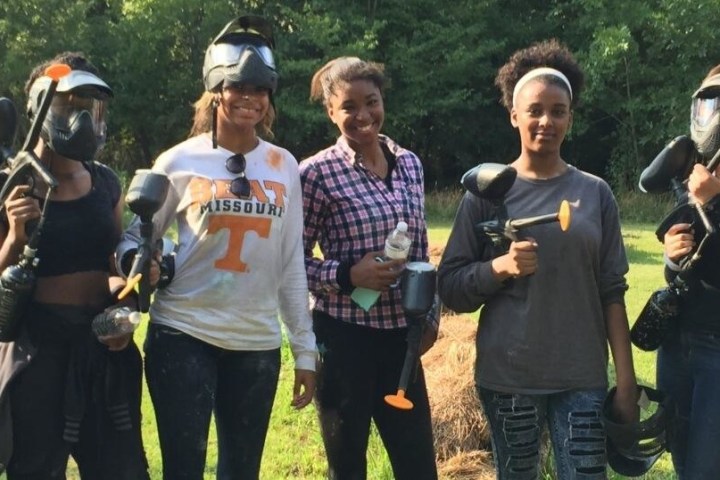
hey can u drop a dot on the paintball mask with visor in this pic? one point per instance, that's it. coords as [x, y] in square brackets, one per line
[705, 117]
[75, 125]
[241, 54]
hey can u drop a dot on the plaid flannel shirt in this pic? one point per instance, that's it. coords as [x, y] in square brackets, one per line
[349, 211]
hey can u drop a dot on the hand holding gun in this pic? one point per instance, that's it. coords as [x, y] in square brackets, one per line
[145, 196]
[669, 171]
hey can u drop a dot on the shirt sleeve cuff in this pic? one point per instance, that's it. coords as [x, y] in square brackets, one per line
[343, 277]
[305, 361]
[670, 264]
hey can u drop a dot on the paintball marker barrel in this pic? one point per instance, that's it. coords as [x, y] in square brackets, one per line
[562, 216]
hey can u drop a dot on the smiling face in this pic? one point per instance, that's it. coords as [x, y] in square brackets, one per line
[542, 116]
[357, 110]
[242, 107]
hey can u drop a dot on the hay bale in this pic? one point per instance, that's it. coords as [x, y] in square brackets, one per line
[462, 441]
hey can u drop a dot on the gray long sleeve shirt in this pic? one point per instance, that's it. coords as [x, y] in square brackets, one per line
[545, 332]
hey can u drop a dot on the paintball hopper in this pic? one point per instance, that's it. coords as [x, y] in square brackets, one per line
[418, 286]
[657, 317]
[8, 126]
[490, 181]
[670, 167]
[146, 193]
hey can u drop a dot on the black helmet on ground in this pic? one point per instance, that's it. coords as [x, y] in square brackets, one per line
[633, 448]
[242, 53]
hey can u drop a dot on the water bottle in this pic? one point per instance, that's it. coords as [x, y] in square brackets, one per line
[115, 322]
[397, 245]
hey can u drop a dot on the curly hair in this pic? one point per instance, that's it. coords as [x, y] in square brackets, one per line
[345, 70]
[548, 53]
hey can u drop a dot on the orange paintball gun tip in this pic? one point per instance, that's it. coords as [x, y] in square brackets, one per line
[131, 282]
[57, 71]
[564, 215]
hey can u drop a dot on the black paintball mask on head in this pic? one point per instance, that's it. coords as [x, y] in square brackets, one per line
[241, 54]
[75, 125]
[705, 117]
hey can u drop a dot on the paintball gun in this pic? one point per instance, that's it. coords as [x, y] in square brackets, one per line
[492, 181]
[417, 287]
[17, 282]
[668, 172]
[145, 196]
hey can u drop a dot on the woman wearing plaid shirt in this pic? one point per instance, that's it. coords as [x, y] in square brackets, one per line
[354, 194]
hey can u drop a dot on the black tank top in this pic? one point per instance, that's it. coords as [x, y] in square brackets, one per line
[80, 235]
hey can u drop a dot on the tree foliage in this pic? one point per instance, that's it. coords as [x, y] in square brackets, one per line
[642, 61]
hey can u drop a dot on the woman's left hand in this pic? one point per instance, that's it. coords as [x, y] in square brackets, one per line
[304, 388]
[625, 405]
[702, 184]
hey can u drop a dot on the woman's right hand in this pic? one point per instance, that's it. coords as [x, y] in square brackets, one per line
[520, 261]
[375, 275]
[678, 241]
[20, 209]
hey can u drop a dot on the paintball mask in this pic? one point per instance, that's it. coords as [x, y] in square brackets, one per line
[705, 117]
[241, 54]
[75, 124]
[633, 448]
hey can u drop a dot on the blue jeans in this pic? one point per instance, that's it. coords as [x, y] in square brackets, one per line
[688, 370]
[188, 380]
[517, 422]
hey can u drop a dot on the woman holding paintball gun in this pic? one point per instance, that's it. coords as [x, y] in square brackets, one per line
[553, 302]
[688, 363]
[62, 392]
[355, 193]
[213, 343]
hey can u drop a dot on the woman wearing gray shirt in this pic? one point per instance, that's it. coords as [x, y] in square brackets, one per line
[554, 301]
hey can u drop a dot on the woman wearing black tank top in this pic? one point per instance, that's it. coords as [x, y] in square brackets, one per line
[62, 391]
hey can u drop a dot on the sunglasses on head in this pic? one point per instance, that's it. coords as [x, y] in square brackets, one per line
[240, 186]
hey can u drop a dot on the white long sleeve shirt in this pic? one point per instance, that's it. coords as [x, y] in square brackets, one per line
[239, 263]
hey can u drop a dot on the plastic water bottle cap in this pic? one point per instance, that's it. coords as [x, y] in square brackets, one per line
[134, 318]
[402, 227]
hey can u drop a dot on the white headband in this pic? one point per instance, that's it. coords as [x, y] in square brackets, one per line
[537, 73]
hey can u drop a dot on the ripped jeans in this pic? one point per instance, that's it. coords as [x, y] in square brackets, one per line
[188, 380]
[573, 417]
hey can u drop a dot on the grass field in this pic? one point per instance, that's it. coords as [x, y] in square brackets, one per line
[294, 449]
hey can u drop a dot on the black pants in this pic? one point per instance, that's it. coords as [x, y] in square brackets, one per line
[361, 365]
[40, 404]
[188, 381]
